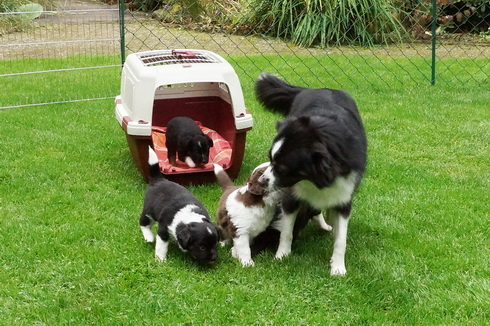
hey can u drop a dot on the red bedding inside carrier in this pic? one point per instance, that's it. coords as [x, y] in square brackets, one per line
[220, 153]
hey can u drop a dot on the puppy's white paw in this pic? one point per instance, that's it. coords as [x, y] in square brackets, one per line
[326, 227]
[233, 252]
[160, 258]
[337, 269]
[247, 263]
[150, 239]
[321, 222]
[190, 162]
[280, 254]
[147, 234]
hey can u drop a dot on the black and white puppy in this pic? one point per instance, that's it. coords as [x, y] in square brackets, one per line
[179, 215]
[319, 154]
[185, 140]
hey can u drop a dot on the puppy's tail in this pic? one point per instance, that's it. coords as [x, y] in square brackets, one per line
[224, 180]
[275, 94]
[155, 173]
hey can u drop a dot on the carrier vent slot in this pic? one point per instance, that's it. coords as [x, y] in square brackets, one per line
[170, 57]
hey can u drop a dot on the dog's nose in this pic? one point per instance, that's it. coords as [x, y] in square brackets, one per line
[263, 181]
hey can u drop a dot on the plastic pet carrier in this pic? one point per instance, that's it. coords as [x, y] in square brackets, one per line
[157, 86]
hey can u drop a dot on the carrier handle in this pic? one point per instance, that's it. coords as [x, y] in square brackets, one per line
[184, 54]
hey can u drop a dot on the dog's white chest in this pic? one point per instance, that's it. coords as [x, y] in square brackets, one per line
[251, 220]
[340, 192]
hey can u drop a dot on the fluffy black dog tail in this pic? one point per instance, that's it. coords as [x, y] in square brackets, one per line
[275, 94]
[155, 173]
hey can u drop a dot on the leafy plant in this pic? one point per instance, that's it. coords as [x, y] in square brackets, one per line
[485, 35]
[30, 10]
[205, 14]
[16, 22]
[317, 22]
[471, 16]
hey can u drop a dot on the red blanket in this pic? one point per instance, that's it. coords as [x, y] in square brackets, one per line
[220, 153]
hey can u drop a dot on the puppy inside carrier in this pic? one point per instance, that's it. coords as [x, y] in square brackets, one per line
[157, 86]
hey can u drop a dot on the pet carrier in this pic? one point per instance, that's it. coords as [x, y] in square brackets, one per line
[157, 86]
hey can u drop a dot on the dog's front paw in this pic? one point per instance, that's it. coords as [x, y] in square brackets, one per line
[234, 254]
[337, 269]
[281, 253]
[247, 263]
[321, 222]
[147, 234]
[190, 162]
[326, 227]
[160, 258]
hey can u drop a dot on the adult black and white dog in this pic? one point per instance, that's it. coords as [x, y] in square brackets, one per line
[319, 153]
[179, 215]
[186, 141]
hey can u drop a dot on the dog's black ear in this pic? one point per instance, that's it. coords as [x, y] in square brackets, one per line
[279, 125]
[305, 121]
[188, 142]
[184, 141]
[221, 233]
[184, 236]
[210, 141]
[320, 171]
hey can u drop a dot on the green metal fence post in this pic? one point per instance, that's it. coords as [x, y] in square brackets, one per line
[121, 31]
[433, 39]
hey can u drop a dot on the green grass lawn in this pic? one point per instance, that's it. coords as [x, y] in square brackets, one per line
[418, 246]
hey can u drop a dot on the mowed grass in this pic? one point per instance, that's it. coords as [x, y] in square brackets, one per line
[418, 246]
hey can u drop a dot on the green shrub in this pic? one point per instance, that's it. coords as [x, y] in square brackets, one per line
[206, 15]
[319, 22]
[12, 5]
[11, 23]
[470, 16]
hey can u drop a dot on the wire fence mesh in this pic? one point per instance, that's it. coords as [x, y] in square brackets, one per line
[252, 29]
[52, 57]
[371, 43]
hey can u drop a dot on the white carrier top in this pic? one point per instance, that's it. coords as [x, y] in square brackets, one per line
[162, 74]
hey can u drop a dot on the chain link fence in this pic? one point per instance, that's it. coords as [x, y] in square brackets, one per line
[49, 54]
[323, 43]
[408, 43]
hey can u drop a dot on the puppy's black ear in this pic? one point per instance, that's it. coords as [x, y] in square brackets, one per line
[221, 233]
[184, 142]
[188, 142]
[184, 236]
[210, 141]
[279, 125]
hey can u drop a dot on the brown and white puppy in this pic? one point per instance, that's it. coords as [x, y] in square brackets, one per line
[185, 140]
[180, 215]
[251, 216]
[244, 211]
